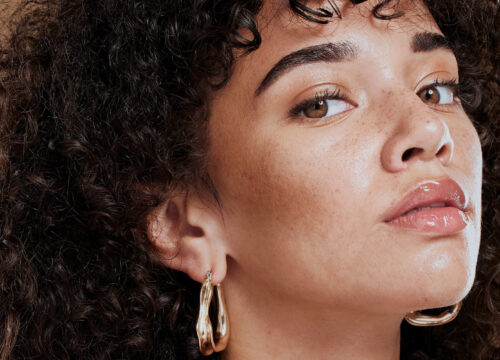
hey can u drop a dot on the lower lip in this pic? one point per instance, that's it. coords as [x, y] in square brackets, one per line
[444, 220]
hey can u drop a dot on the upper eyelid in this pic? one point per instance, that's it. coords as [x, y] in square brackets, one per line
[453, 83]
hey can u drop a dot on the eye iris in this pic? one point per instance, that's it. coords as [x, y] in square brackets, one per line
[319, 109]
[430, 95]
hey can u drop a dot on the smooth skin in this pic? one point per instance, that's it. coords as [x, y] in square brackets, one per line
[309, 268]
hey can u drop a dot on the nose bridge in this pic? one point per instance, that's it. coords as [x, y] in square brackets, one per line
[417, 133]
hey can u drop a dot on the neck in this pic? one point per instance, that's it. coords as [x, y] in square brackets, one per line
[263, 328]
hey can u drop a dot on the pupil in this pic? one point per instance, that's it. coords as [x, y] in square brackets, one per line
[429, 94]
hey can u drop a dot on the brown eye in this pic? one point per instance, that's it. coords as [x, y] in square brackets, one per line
[429, 95]
[437, 94]
[316, 110]
[322, 105]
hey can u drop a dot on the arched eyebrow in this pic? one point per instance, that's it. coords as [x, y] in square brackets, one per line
[328, 52]
[339, 52]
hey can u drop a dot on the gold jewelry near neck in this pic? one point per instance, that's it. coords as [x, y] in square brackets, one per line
[204, 325]
[416, 318]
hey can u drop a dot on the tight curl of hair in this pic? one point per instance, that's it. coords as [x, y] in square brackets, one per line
[103, 109]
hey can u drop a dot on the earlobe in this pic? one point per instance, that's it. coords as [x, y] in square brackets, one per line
[188, 236]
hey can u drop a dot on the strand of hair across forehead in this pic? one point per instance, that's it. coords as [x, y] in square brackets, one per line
[318, 15]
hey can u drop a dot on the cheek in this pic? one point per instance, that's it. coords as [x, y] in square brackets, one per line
[467, 149]
[302, 181]
[293, 202]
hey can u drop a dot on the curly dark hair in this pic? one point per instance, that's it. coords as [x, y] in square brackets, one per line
[103, 107]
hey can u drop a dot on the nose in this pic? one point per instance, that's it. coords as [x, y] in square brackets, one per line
[419, 134]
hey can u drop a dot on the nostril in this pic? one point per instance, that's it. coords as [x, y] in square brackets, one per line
[410, 152]
[441, 151]
[407, 154]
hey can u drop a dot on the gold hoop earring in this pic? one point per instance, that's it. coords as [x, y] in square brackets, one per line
[204, 325]
[416, 318]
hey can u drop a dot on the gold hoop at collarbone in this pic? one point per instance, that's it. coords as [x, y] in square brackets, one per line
[204, 325]
[416, 318]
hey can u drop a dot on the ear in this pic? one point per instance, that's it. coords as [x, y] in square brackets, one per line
[187, 231]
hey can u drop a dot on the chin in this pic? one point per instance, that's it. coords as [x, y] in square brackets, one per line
[445, 278]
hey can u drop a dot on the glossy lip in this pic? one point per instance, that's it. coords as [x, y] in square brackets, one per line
[430, 192]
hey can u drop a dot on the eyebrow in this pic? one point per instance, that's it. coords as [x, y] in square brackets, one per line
[427, 41]
[328, 52]
[339, 52]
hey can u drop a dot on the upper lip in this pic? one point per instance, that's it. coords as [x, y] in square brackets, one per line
[430, 192]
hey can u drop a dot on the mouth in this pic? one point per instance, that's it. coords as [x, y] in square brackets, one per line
[437, 206]
[430, 206]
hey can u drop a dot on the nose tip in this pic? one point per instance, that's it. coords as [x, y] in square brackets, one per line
[426, 140]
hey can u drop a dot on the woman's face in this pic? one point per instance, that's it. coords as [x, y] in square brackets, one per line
[307, 191]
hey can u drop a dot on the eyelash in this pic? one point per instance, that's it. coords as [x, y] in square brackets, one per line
[337, 94]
